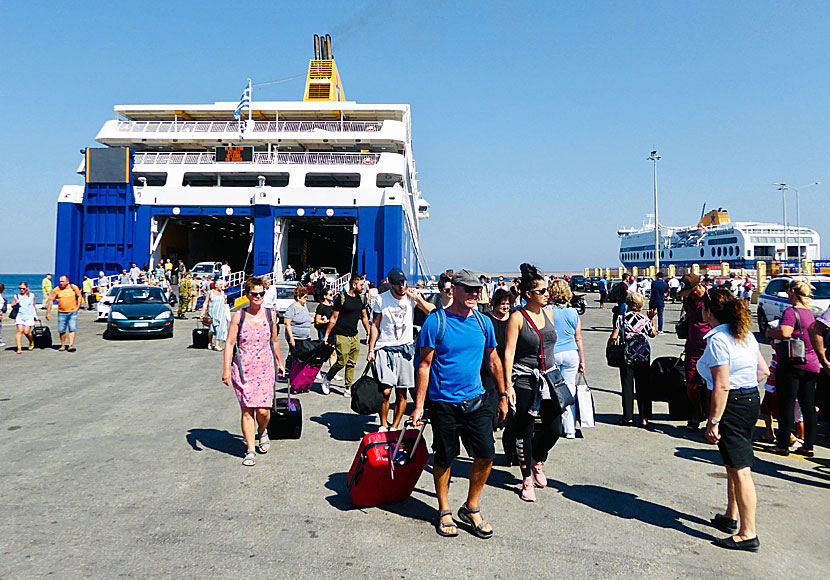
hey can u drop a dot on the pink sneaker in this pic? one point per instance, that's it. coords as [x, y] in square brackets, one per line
[538, 475]
[528, 490]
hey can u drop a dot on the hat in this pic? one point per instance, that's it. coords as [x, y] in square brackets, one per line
[688, 283]
[396, 276]
[466, 278]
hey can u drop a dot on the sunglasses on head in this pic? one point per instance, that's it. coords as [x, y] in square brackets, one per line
[256, 294]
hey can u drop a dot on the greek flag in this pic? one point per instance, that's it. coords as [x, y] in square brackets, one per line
[244, 102]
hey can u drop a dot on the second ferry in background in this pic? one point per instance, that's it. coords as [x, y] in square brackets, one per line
[716, 239]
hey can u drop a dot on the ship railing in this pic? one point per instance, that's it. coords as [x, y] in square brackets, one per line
[341, 284]
[206, 158]
[240, 126]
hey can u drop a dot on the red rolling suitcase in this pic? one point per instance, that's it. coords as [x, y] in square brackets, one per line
[375, 480]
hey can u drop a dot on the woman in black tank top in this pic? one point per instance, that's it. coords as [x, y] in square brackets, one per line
[523, 355]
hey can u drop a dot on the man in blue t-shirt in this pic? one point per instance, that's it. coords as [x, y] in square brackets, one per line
[453, 343]
[657, 300]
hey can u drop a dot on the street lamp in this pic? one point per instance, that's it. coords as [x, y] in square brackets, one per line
[783, 188]
[655, 158]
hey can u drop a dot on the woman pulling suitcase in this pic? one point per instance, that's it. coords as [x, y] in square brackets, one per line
[252, 362]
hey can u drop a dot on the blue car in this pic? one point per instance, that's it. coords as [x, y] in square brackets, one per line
[139, 310]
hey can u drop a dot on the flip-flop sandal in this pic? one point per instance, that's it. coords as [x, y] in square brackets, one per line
[250, 459]
[441, 526]
[464, 515]
[32, 346]
[264, 443]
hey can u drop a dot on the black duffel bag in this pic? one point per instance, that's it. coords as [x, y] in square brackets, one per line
[367, 393]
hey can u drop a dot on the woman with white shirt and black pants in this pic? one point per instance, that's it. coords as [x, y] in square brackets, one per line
[732, 367]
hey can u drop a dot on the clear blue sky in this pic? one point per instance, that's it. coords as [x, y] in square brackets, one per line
[532, 121]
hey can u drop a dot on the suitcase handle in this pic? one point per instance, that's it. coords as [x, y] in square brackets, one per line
[394, 451]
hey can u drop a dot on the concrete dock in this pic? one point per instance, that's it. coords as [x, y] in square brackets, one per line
[123, 459]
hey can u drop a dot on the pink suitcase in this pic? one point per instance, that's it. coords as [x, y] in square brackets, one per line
[301, 376]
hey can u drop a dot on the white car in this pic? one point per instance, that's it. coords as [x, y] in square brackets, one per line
[330, 274]
[209, 269]
[105, 303]
[772, 302]
[285, 297]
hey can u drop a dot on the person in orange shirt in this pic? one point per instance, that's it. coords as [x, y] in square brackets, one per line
[69, 302]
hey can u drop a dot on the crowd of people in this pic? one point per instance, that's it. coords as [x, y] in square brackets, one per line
[475, 365]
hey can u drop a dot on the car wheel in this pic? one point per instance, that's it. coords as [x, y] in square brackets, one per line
[763, 323]
[107, 335]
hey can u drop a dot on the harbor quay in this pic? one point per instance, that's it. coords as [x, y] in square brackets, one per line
[123, 460]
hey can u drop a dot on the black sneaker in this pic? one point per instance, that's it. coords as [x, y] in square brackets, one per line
[724, 524]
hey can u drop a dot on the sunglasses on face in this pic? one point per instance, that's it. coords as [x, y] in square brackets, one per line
[470, 290]
[446, 290]
[539, 291]
[256, 294]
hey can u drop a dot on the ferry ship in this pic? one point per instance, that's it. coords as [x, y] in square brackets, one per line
[322, 182]
[715, 240]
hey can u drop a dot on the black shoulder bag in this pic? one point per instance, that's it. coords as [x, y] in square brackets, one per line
[615, 355]
[559, 391]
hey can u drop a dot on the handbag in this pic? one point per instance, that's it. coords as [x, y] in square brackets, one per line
[14, 311]
[615, 355]
[367, 396]
[795, 348]
[584, 403]
[559, 390]
[682, 326]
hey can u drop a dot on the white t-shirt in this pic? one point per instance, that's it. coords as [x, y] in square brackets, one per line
[396, 319]
[270, 298]
[674, 283]
[226, 271]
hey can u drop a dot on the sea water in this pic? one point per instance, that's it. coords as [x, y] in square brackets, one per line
[12, 281]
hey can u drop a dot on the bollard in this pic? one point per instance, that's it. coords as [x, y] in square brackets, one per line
[724, 269]
[587, 272]
[672, 270]
[696, 269]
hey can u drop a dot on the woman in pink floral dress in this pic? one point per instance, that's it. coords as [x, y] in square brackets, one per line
[259, 357]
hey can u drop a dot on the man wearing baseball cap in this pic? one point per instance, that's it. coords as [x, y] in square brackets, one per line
[392, 343]
[692, 292]
[453, 343]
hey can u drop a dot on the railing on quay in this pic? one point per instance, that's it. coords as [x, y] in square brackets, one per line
[207, 158]
[240, 126]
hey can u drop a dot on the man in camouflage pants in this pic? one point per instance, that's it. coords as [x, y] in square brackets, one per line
[184, 295]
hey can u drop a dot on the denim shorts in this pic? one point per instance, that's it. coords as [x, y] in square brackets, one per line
[67, 321]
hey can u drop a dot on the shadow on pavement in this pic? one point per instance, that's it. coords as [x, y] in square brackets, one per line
[217, 440]
[411, 507]
[815, 477]
[629, 506]
[346, 426]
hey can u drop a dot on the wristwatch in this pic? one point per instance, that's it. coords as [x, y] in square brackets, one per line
[713, 422]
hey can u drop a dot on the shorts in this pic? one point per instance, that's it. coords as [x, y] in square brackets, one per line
[474, 429]
[736, 425]
[67, 321]
[394, 370]
[24, 321]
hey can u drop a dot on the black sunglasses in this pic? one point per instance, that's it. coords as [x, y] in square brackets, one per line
[539, 291]
[256, 294]
[470, 289]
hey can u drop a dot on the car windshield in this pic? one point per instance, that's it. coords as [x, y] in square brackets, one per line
[140, 296]
[202, 269]
[822, 290]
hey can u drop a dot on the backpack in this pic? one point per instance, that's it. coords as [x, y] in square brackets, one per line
[618, 293]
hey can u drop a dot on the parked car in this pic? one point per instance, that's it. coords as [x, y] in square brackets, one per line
[592, 283]
[285, 297]
[578, 282]
[139, 309]
[211, 269]
[330, 273]
[772, 302]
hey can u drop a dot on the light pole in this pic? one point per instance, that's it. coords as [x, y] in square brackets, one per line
[655, 158]
[783, 188]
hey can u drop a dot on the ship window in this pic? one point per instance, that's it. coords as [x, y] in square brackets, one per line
[155, 179]
[701, 252]
[749, 253]
[200, 180]
[730, 250]
[388, 179]
[252, 179]
[670, 255]
[737, 250]
[332, 180]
